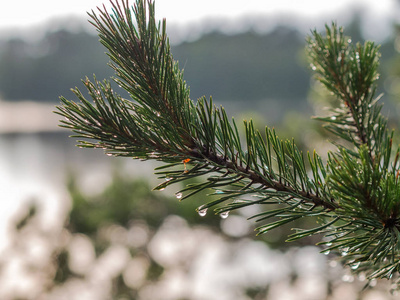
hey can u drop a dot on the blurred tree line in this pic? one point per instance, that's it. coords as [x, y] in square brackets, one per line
[241, 67]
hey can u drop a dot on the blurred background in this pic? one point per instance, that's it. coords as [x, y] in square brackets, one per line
[76, 224]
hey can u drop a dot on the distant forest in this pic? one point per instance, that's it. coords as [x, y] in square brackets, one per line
[241, 67]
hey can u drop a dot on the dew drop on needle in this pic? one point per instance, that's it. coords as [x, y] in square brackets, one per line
[224, 214]
[202, 212]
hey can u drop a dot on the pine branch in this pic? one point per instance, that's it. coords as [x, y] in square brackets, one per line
[165, 124]
[354, 195]
[349, 72]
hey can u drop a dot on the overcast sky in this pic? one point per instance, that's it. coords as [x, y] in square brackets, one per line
[31, 13]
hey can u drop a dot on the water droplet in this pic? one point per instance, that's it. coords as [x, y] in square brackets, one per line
[178, 195]
[327, 252]
[355, 266]
[333, 118]
[345, 251]
[333, 264]
[158, 114]
[349, 41]
[329, 244]
[109, 154]
[168, 178]
[313, 67]
[161, 189]
[219, 192]
[224, 214]
[202, 211]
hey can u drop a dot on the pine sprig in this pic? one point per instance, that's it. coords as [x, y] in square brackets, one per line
[350, 73]
[354, 196]
[163, 123]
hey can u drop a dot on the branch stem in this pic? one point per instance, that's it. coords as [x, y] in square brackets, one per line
[233, 167]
